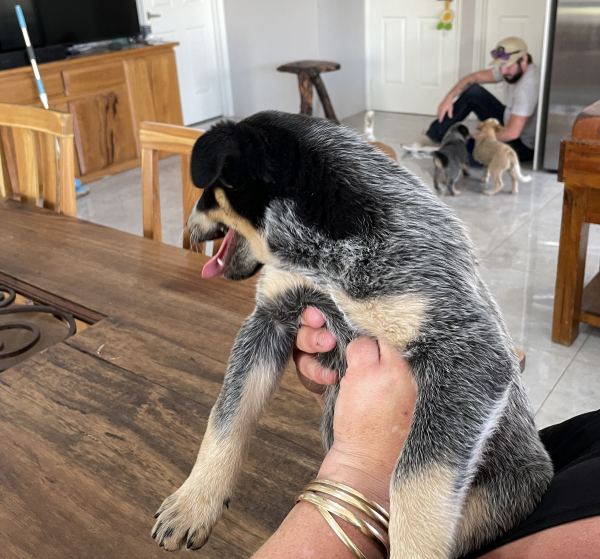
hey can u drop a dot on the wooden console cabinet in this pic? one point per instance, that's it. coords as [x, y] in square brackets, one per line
[108, 95]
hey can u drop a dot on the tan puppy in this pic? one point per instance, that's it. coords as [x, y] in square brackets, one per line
[497, 157]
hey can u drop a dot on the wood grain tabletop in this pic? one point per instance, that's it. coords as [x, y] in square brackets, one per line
[97, 430]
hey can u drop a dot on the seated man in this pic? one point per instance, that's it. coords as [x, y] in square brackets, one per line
[511, 63]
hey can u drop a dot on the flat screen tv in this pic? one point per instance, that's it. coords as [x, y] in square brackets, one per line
[67, 22]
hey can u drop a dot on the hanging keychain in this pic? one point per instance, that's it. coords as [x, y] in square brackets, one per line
[446, 17]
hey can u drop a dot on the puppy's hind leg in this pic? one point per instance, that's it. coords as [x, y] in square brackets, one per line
[430, 482]
[260, 353]
[451, 188]
[466, 170]
[496, 173]
[514, 177]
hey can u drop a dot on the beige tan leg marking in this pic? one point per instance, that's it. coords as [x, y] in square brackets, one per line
[474, 516]
[396, 320]
[423, 516]
[274, 282]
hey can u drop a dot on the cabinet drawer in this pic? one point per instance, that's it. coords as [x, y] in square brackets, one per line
[20, 88]
[87, 80]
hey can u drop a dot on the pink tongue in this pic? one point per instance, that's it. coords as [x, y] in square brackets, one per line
[213, 268]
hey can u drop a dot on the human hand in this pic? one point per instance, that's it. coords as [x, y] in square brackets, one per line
[312, 338]
[446, 107]
[373, 414]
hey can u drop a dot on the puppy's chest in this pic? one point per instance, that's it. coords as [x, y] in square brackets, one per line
[396, 319]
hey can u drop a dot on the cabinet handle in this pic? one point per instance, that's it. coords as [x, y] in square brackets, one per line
[150, 16]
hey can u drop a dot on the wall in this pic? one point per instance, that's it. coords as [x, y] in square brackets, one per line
[263, 34]
[341, 25]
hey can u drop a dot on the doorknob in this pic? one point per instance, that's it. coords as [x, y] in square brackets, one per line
[150, 16]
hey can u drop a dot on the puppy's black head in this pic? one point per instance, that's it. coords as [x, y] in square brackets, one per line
[316, 169]
[463, 130]
[230, 163]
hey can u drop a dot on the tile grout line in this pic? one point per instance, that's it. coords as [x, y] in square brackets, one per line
[563, 373]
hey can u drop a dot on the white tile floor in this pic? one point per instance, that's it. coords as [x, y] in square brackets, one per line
[516, 238]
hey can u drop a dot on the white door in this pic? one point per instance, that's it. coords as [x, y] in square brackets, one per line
[411, 64]
[514, 18]
[190, 23]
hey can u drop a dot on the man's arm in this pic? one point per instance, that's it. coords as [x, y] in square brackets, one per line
[513, 129]
[483, 76]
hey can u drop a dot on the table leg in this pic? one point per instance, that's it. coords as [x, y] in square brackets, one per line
[329, 112]
[306, 93]
[571, 266]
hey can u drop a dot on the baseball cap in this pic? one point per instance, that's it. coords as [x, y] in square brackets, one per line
[508, 51]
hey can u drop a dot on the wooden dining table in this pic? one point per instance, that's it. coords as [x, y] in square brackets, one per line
[96, 430]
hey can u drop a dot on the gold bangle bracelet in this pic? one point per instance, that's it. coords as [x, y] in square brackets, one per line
[347, 489]
[345, 514]
[347, 498]
[340, 533]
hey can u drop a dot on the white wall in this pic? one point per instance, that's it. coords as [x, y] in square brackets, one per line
[263, 34]
[342, 39]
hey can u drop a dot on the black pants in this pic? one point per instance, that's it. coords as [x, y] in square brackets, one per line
[480, 101]
[574, 493]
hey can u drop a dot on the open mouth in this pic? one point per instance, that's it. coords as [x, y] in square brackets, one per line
[218, 264]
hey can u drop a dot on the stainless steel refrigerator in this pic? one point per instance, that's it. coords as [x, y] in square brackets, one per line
[573, 80]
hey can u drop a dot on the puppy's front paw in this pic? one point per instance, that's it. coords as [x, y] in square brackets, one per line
[186, 518]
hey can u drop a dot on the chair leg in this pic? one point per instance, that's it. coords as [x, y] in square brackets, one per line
[571, 266]
[325, 101]
[306, 94]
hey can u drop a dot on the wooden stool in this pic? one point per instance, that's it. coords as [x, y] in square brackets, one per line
[308, 75]
[580, 171]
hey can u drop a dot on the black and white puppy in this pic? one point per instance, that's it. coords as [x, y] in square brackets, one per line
[336, 224]
[451, 158]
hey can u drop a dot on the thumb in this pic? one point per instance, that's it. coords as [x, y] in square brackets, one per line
[362, 353]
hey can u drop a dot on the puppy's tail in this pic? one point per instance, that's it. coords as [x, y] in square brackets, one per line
[440, 160]
[517, 167]
[369, 132]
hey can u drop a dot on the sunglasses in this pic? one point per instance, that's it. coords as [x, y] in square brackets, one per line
[501, 54]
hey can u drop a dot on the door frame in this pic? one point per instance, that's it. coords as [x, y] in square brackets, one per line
[456, 28]
[224, 69]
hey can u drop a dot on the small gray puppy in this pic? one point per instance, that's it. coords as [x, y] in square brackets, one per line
[451, 158]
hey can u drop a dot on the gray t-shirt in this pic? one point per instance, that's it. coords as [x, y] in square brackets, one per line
[521, 99]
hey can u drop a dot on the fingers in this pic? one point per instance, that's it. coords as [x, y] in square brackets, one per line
[312, 317]
[316, 376]
[315, 340]
[451, 111]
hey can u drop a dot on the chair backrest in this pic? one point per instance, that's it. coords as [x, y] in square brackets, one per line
[156, 137]
[37, 157]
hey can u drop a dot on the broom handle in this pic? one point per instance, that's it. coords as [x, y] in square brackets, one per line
[31, 55]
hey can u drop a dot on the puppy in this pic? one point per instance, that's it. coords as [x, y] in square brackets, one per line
[334, 223]
[369, 136]
[451, 158]
[497, 157]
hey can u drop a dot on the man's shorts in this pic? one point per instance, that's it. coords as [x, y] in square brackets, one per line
[574, 492]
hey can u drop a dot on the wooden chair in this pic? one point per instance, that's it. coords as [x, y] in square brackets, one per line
[155, 139]
[30, 167]
[579, 169]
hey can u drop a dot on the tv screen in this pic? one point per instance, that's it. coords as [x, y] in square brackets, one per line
[67, 22]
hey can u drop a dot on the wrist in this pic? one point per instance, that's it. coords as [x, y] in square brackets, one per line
[371, 478]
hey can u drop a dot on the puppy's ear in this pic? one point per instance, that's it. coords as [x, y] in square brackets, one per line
[211, 153]
[463, 130]
[499, 128]
[481, 125]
